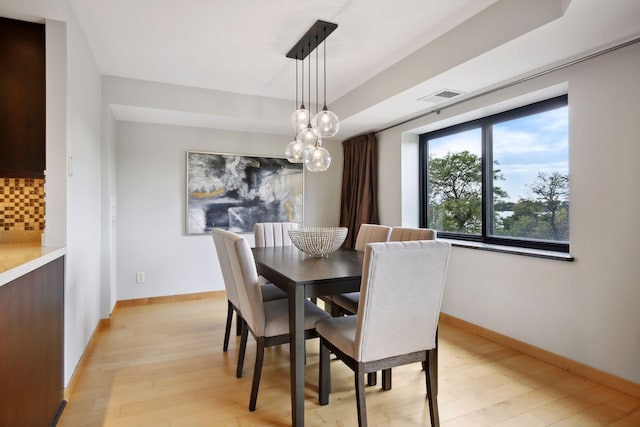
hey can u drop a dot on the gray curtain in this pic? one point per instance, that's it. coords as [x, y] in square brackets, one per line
[359, 200]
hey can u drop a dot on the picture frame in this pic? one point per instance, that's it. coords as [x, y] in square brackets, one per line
[234, 191]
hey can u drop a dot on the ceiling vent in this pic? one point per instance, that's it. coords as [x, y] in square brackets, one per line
[440, 96]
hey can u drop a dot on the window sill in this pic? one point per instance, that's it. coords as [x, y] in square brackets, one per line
[536, 253]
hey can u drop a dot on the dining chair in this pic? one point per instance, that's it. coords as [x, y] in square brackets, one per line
[349, 302]
[391, 317]
[403, 234]
[268, 321]
[271, 234]
[269, 290]
[367, 233]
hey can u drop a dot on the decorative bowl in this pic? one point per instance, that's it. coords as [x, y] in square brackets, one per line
[318, 241]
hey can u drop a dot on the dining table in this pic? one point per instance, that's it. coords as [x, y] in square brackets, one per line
[304, 276]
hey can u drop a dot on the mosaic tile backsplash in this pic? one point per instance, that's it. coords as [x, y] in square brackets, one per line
[21, 204]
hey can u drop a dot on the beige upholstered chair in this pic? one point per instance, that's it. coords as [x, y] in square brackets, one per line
[349, 302]
[273, 233]
[233, 301]
[421, 268]
[368, 233]
[270, 234]
[403, 234]
[269, 290]
[268, 321]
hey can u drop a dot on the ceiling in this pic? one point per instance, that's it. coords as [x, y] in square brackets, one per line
[381, 59]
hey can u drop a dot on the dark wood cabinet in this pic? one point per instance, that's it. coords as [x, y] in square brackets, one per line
[22, 99]
[32, 347]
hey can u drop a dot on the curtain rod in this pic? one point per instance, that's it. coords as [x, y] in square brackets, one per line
[513, 83]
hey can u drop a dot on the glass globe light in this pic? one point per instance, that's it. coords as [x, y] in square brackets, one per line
[317, 159]
[299, 119]
[294, 151]
[308, 137]
[326, 123]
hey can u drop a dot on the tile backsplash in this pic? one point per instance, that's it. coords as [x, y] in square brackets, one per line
[21, 204]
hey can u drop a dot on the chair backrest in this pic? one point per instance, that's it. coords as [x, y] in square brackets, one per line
[273, 233]
[225, 266]
[400, 298]
[402, 234]
[370, 233]
[242, 271]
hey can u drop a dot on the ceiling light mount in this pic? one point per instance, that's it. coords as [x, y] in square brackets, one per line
[319, 31]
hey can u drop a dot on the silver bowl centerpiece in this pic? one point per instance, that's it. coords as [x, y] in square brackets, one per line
[318, 241]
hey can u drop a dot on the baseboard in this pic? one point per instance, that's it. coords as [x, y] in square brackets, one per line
[170, 298]
[561, 362]
[102, 324]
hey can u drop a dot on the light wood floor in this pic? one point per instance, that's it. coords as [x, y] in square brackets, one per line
[162, 365]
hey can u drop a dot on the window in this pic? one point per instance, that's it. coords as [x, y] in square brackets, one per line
[502, 179]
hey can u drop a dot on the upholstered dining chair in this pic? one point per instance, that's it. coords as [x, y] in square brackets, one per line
[390, 317]
[270, 234]
[268, 321]
[348, 302]
[269, 291]
[367, 233]
[403, 234]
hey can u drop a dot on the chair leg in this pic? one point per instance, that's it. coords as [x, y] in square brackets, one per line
[372, 378]
[324, 379]
[243, 347]
[238, 325]
[360, 397]
[431, 388]
[257, 371]
[386, 379]
[227, 330]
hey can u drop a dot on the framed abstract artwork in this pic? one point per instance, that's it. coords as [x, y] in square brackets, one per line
[233, 191]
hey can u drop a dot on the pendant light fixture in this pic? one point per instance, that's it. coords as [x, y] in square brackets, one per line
[317, 158]
[295, 149]
[308, 136]
[307, 145]
[326, 122]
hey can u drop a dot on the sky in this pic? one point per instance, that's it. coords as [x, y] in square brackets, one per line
[523, 148]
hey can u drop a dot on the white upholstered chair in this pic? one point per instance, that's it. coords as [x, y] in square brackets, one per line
[349, 302]
[268, 321]
[387, 315]
[269, 290]
[273, 233]
[270, 234]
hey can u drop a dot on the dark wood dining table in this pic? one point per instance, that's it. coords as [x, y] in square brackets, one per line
[302, 276]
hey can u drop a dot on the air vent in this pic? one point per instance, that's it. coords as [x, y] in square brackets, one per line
[440, 96]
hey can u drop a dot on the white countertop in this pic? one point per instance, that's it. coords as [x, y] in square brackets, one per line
[18, 259]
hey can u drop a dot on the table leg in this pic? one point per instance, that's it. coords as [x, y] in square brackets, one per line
[296, 328]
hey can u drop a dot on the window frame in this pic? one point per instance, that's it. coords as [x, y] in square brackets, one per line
[485, 124]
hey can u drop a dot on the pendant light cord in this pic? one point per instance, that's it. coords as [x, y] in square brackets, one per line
[324, 65]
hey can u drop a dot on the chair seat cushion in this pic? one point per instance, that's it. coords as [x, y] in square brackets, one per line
[276, 314]
[348, 301]
[271, 292]
[341, 332]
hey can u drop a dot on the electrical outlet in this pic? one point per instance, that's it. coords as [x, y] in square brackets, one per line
[140, 277]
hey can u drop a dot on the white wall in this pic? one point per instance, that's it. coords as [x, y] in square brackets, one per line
[586, 310]
[82, 286]
[151, 185]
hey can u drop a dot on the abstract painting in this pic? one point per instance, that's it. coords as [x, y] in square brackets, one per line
[233, 192]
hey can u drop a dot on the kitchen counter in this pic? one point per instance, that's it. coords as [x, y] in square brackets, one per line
[18, 259]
